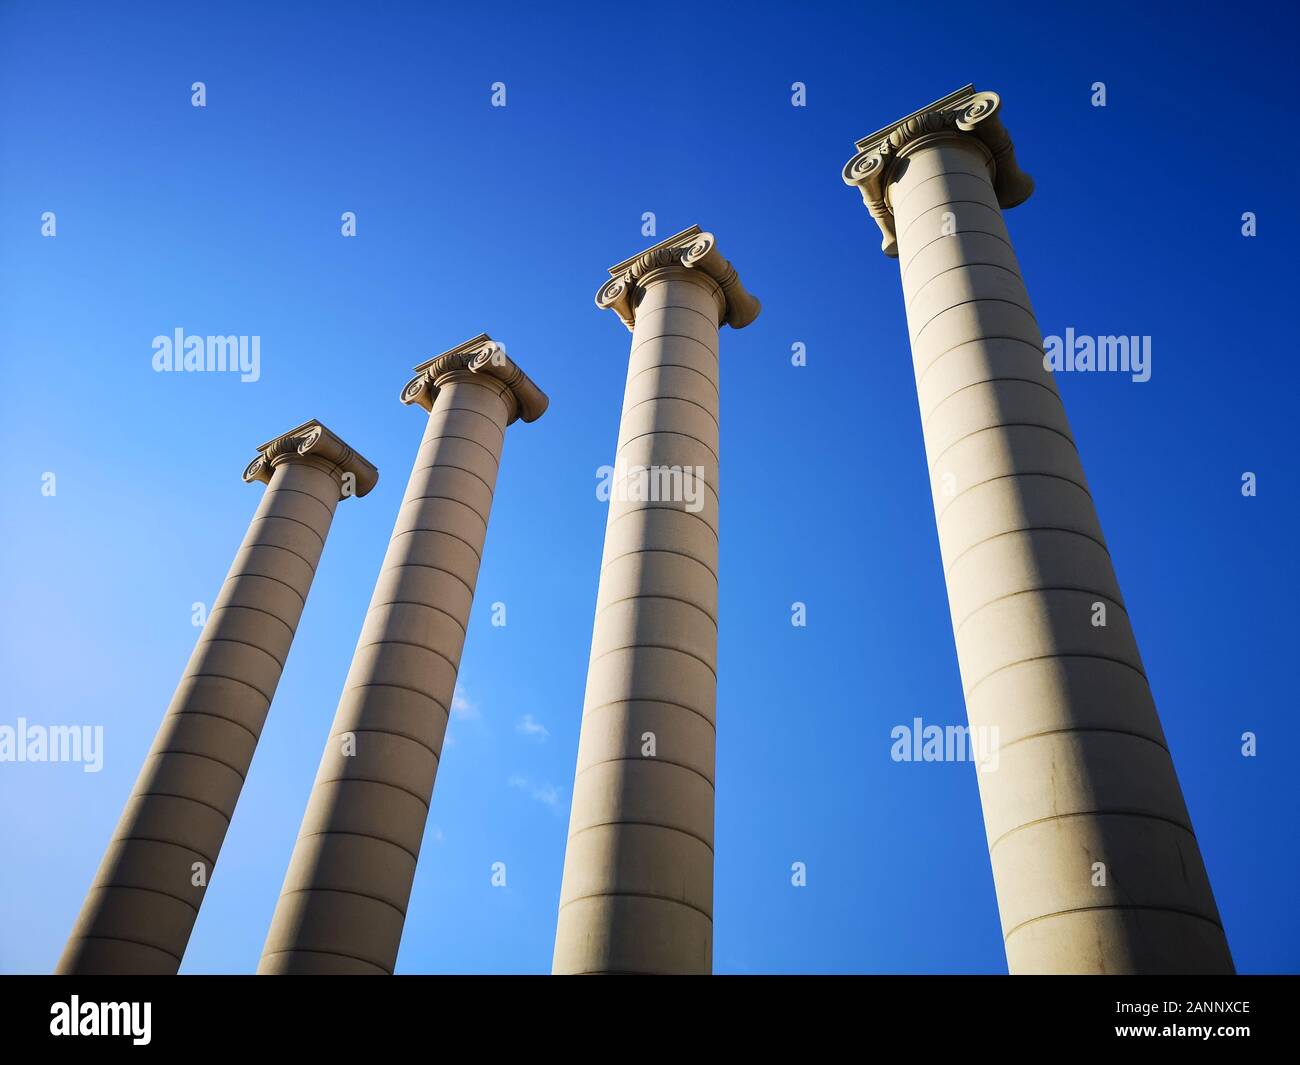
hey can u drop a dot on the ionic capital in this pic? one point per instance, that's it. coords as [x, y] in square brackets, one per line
[313, 444]
[964, 113]
[690, 250]
[481, 359]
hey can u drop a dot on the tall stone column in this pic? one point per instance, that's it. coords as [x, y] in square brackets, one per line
[343, 902]
[1095, 863]
[142, 905]
[637, 895]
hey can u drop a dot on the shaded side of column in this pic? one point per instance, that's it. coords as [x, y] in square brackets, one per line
[344, 899]
[1095, 861]
[142, 905]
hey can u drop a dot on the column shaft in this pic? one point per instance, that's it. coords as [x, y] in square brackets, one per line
[1084, 774]
[145, 898]
[637, 894]
[343, 903]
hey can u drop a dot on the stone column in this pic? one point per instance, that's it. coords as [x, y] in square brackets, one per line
[145, 898]
[637, 895]
[343, 902]
[1095, 863]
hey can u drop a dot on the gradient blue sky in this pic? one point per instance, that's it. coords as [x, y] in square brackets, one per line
[473, 218]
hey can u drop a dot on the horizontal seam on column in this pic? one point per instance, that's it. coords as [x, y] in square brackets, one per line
[471, 410]
[637, 895]
[219, 717]
[236, 680]
[260, 610]
[133, 942]
[911, 259]
[1035, 591]
[1001, 425]
[409, 643]
[651, 595]
[675, 307]
[966, 303]
[450, 499]
[681, 336]
[1082, 728]
[363, 835]
[893, 207]
[198, 754]
[342, 891]
[445, 499]
[677, 366]
[657, 551]
[1028, 528]
[152, 891]
[497, 391]
[230, 639]
[950, 203]
[644, 824]
[907, 304]
[212, 862]
[328, 953]
[412, 602]
[647, 469]
[1008, 476]
[288, 550]
[468, 410]
[1058, 654]
[492, 384]
[383, 783]
[1117, 906]
[658, 647]
[400, 687]
[266, 577]
[455, 436]
[646, 758]
[450, 466]
[666, 702]
[314, 498]
[296, 521]
[162, 842]
[386, 732]
[669, 510]
[444, 532]
[184, 798]
[1092, 813]
[642, 506]
[672, 399]
[671, 432]
[1037, 349]
[428, 565]
[987, 381]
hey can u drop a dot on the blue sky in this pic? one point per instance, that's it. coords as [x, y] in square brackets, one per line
[471, 218]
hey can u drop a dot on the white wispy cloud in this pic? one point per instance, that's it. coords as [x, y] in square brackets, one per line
[530, 726]
[546, 794]
[462, 707]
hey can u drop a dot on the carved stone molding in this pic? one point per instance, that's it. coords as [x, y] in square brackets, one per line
[311, 442]
[482, 356]
[691, 249]
[962, 113]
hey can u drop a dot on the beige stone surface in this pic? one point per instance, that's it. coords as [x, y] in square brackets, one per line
[637, 894]
[343, 903]
[144, 900]
[1094, 859]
